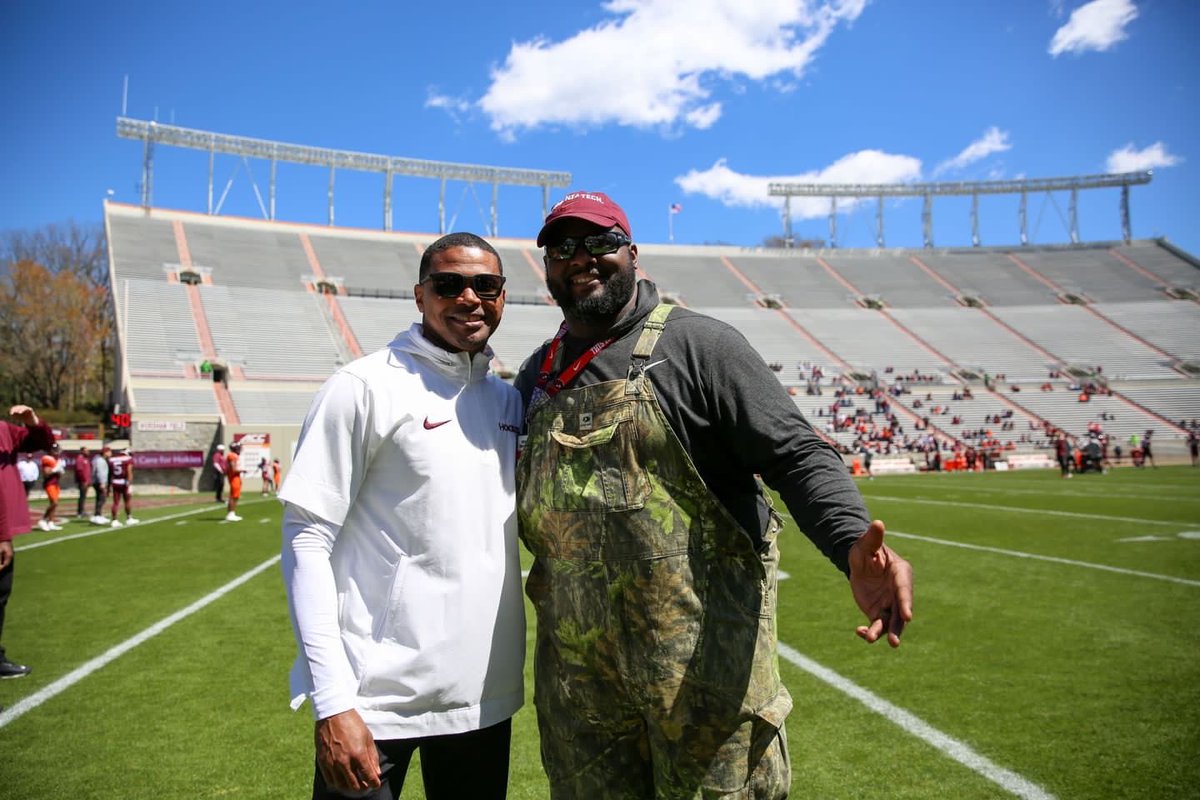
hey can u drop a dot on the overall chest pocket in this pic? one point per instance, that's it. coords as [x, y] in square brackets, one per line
[595, 464]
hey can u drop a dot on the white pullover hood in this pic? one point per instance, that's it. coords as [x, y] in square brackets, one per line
[409, 454]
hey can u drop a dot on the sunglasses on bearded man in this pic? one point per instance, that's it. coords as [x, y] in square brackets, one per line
[451, 284]
[601, 244]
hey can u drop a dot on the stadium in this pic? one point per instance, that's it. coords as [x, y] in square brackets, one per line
[1054, 653]
[1041, 338]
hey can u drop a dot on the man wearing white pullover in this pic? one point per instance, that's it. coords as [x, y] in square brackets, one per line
[400, 551]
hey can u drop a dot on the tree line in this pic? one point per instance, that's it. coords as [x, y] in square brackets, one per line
[56, 318]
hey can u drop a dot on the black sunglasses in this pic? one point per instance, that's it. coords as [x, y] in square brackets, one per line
[451, 284]
[601, 244]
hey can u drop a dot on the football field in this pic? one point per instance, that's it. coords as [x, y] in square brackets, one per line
[1055, 652]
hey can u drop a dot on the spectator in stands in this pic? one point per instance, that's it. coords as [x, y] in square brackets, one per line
[30, 436]
[28, 471]
[100, 484]
[233, 470]
[692, 404]
[120, 482]
[83, 478]
[218, 465]
[52, 471]
[406, 461]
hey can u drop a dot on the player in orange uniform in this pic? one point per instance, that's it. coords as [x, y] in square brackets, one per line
[233, 470]
[52, 470]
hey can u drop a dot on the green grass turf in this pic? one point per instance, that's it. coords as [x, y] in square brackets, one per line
[1081, 681]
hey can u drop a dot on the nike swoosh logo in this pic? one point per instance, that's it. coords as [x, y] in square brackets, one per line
[653, 364]
[431, 425]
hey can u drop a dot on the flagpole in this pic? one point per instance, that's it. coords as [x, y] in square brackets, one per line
[670, 224]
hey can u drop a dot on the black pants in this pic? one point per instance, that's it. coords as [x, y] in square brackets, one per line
[462, 765]
[6, 580]
[79, 509]
[220, 494]
[101, 496]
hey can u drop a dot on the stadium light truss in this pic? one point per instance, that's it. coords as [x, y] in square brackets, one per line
[155, 133]
[928, 191]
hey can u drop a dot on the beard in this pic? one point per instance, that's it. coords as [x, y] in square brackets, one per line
[603, 306]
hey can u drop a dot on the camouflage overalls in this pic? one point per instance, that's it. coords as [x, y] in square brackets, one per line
[656, 672]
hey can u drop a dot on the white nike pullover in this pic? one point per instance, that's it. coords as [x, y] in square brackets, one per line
[400, 545]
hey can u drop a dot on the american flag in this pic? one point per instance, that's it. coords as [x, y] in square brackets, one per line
[676, 208]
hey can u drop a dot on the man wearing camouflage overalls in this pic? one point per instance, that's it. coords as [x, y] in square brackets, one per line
[655, 549]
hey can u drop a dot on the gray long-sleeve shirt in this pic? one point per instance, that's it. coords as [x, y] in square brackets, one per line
[735, 420]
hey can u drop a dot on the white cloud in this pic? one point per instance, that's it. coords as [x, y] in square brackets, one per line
[993, 140]
[1097, 25]
[1129, 160]
[735, 189]
[654, 63]
[454, 106]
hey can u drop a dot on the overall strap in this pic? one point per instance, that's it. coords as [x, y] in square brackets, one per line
[652, 329]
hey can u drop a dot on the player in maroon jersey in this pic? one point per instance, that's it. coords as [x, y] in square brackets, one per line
[120, 481]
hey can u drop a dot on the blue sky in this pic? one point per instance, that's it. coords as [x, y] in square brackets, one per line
[653, 101]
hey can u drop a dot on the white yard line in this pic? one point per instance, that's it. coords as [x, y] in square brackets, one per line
[1052, 559]
[47, 692]
[1102, 492]
[1010, 509]
[99, 529]
[961, 752]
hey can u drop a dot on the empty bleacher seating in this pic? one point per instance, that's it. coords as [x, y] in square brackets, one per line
[280, 339]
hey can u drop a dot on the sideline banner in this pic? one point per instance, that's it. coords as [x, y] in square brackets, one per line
[168, 459]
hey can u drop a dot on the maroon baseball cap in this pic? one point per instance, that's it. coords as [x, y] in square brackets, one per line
[594, 207]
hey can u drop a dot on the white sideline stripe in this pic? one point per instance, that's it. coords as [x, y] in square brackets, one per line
[99, 529]
[71, 678]
[1046, 511]
[1053, 559]
[961, 752]
[1104, 492]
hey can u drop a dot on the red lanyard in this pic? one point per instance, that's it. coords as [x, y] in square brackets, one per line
[553, 387]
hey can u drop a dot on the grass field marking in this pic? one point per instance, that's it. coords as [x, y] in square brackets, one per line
[961, 752]
[1052, 559]
[1046, 511]
[99, 529]
[27, 704]
[1101, 492]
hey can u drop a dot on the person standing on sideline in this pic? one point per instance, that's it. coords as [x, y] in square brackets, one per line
[100, 484]
[400, 550]
[1062, 453]
[31, 435]
[52, 471]
[264, 474]
[218, 465]
[120, 468]
[83, 479]
[276, 475]
[233, 469]
[28, 471]
[655, 546]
